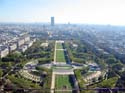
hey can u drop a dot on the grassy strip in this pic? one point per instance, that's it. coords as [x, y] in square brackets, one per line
[63, 82]
[59, 46]
[60, 56]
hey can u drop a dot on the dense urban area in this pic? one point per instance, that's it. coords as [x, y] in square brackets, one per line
[62, 58]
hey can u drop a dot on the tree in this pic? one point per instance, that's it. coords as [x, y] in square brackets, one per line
[121, 81]
[85, 70]
[110, 83]
[111, 61]
[94, 80]
[117, 66]
[100, 78]
[1, 73]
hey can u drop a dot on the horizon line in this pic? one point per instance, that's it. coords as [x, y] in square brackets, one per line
[68, 23]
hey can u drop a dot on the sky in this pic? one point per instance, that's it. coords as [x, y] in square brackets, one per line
[64, 11]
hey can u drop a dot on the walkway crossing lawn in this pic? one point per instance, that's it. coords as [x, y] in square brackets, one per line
[63, 67]
[60, 56]
[59, 46]
[63, 82]
[63, 91]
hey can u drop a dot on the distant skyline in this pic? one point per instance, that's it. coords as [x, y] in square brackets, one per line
[64, 11]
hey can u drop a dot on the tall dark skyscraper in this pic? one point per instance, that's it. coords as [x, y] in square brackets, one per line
[52, 21]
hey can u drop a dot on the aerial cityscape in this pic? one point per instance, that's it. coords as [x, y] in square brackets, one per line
[55, 54]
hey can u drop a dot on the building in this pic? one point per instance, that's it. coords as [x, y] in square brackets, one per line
[29, 43]
[4, 51]
[75, 45]
[27, 38]
[44, 44]
[20, 42]
[52, 21]
[23, 48]
[12, 47]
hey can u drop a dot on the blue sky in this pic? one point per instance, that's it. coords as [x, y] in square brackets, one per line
[64, 11]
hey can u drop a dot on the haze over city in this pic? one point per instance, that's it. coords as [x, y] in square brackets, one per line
[73, 11]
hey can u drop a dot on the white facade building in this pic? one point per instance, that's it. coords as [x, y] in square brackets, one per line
[4, 51]
[23, 48]
[27, 38]
[20, 42]
[12, 47]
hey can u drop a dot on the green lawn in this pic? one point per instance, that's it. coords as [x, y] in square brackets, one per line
[60, 56]
[59, 46]
[62, 82]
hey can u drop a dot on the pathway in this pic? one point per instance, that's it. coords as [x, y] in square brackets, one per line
[53, 82]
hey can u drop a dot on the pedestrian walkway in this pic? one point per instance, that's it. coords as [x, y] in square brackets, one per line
[53, 82]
